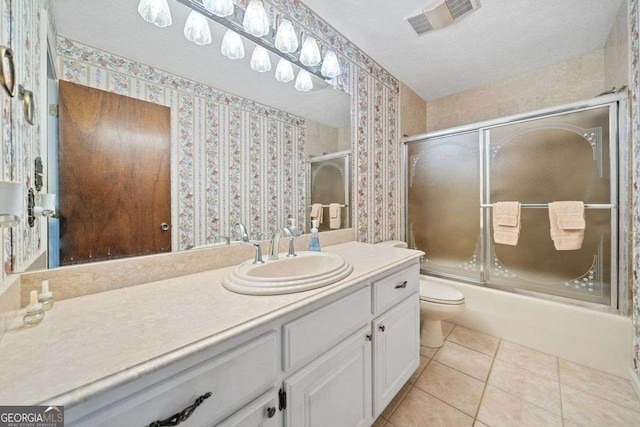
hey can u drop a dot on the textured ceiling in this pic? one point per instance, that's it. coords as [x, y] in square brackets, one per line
[116, 26]
[501, 39]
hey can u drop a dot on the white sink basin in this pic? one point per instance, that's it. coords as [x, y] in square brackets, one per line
[308, 270]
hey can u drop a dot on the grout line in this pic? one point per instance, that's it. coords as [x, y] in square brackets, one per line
[448, 404]
[486, 384]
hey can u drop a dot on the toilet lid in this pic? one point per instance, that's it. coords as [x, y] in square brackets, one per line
[440, 294]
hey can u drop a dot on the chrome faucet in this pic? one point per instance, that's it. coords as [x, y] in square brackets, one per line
[244, 240]
[275, 243]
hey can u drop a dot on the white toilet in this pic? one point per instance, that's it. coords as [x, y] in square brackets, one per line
[438, 302]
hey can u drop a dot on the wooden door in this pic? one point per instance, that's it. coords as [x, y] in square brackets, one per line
[335, 389]
[115, 184]
[396, 350]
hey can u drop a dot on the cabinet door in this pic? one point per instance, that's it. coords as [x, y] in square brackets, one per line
[396, 350]
[335, 389]
[262, 412]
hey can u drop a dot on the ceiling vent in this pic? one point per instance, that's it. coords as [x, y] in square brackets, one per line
[441, 14]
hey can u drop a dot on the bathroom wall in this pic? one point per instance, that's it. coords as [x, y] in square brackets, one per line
[224, 148]
[413, 112]
[321, 139]
[574, 80]
[616, 51]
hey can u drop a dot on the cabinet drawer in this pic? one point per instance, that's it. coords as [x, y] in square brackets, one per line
[394, 288]
[262, 412]
[233, 378]
[308, 336]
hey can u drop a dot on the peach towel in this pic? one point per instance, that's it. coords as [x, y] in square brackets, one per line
[567, 225]
[335, 215]
[506, 223]
[316, 212]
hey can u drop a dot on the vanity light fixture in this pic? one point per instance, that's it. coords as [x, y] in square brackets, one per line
[255, 20]
[330, 65]
[310, 53]
[219, 8]
[260, 61]
[10, 204]
[303, 81]
[284, 71]
[232, 46]
[155, 12]
[196, 29]
[286, 38]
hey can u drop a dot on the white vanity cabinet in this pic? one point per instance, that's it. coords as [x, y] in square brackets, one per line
[263, 412]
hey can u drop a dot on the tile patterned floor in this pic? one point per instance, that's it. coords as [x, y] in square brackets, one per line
[477, 380]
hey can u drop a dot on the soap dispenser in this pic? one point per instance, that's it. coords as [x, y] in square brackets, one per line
[314, 242]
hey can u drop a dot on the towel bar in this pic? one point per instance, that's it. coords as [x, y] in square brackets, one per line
[326, 206]
[546, 205]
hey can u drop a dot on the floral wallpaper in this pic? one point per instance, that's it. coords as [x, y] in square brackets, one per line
[634, 14]
[222, 146]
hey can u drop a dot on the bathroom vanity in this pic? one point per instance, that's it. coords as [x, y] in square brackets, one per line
[332, 356]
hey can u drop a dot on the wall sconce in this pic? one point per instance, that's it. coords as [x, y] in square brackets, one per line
[47, 207]
[27, 104]
[7, 70]
[10, 204]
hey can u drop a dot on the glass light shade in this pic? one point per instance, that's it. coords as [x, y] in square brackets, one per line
[303, 81]
[284, 71]
[196, 29]
[286, 38]
[260, 61]
[232, 46]
[220, 8]
[330, 65]
[310, 53]
[11, 202]
[255, 20]
[155, 12]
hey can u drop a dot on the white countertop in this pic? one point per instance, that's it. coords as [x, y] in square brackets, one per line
[90, 344]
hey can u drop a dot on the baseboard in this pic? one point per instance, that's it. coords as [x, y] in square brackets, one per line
[635, 381]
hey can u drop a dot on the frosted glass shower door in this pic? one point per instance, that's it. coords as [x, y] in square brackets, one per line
[557, 158]
[443, 214]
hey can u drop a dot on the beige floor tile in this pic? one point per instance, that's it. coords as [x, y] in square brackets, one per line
[395, 401]
[419, 409]
[501, 409]
[453, 387]
[380, 422]
[427, 351]
[465, 360]
[568, 423]
[525, 384]
[588, 410]
[447, 327]
[474, 340]
[535, 361]
[479, 424]
[606, 386]
[416, 374]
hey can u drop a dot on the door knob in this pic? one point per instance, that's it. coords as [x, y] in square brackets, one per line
[164, 226]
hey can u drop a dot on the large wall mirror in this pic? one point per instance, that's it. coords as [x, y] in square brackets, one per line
[219, 142]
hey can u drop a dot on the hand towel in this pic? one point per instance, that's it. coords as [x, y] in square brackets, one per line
[506, 223]
[316, 212]
[567, 225]
[335, 215]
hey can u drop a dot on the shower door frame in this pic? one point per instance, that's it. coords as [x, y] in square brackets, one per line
[619, 195]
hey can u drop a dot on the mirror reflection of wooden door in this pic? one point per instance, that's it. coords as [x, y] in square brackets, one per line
[115, 184]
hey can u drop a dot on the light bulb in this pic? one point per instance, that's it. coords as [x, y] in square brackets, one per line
[155, 12]
[260, 61]
[303, 82]
[255, 20]
[196, 29]
[330, 65]
[286, 38]
[232, 46]
[220, 8]
[284, 71]
[310, 53]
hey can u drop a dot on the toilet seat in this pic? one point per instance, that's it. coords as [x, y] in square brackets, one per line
[440, 294]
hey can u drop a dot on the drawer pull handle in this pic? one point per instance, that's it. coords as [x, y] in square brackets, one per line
[382, 328]
[271, 411]
[181, 416]
[402, 285]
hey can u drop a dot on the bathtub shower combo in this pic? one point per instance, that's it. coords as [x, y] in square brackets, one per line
[570, 153]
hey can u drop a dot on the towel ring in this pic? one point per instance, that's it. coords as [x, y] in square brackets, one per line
[7, 70]
[27, 104]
